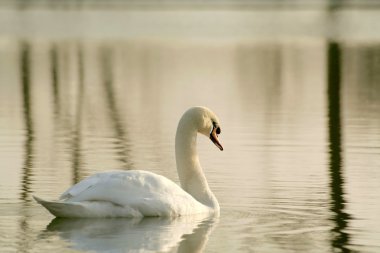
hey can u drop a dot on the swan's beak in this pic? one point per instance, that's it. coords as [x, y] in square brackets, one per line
[214, 139]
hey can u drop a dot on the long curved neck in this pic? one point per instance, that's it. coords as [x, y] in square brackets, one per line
[189, 169]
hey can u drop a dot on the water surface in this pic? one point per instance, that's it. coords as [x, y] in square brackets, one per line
[299, 112]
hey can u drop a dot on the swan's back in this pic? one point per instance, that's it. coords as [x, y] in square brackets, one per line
[124, 194]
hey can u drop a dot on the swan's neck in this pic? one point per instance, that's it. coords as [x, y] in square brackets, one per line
[189, 169]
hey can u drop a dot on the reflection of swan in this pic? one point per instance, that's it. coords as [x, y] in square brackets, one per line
[141, 193]
[179, 234]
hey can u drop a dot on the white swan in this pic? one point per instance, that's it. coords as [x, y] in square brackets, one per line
[138, 193]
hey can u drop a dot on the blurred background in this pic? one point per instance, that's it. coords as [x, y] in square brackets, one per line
[90, 86]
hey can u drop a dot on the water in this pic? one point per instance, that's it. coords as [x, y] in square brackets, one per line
[299, 103]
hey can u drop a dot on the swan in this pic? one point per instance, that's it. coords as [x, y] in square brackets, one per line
[139, 193]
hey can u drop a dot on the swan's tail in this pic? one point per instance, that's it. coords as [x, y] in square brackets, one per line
[87, 209]
[62, 209]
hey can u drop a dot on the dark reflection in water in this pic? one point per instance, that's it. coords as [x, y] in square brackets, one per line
[75, 126]
[106, 62]
[77, 133]
[24, 227]
[55, 78]
[340, 238]
[25, 62]
[185, 234]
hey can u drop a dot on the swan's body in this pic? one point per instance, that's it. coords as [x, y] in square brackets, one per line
[138, 193]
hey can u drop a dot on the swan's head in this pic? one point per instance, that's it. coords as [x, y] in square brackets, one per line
[206, 122]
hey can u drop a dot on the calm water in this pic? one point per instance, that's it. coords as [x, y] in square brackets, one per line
[299, 103]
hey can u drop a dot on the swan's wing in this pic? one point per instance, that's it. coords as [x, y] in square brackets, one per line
[78, 188]
[108, 181]
[149, 193]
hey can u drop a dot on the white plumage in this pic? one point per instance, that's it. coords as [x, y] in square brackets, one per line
[138, 193]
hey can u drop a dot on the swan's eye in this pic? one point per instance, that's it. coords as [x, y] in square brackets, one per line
[215, 126]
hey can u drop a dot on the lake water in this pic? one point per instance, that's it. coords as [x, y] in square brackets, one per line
[297, 92]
